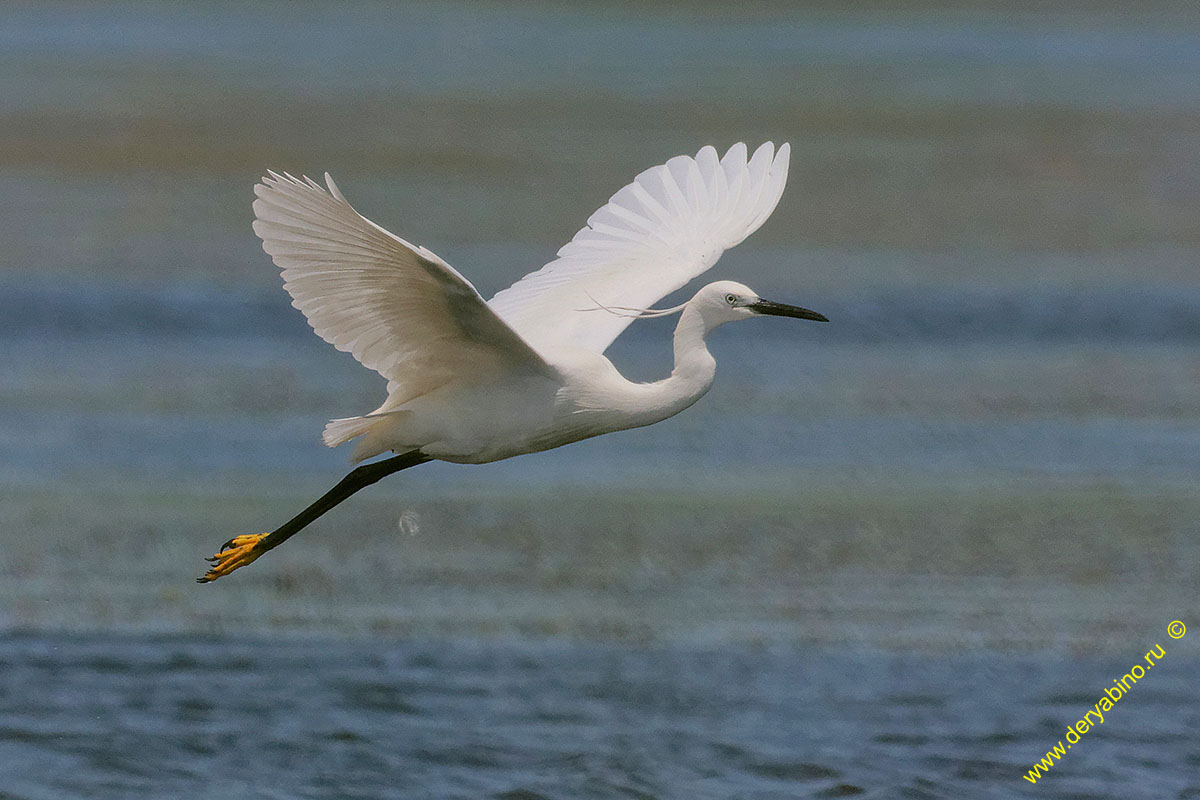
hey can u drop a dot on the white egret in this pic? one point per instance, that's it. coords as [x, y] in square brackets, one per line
[471, 381]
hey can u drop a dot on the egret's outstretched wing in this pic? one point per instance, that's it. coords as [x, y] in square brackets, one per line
[397, 308]
[668, 226]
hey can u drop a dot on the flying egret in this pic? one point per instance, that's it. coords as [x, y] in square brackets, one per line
[471, 381]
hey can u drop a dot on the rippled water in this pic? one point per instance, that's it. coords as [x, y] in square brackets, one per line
[890, 556]
[169, 717]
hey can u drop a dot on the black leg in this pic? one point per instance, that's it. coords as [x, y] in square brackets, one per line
[241, 551]
[359, 478]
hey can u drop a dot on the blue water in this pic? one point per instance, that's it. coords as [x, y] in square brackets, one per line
[205, 717]
[892, 556]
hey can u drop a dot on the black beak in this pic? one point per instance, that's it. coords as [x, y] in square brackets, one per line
[784, 310]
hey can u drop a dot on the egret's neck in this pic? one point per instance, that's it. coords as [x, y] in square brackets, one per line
[694, 365]
[691, 354]
[598, 400]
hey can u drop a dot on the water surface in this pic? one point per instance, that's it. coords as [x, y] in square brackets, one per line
[890, 556]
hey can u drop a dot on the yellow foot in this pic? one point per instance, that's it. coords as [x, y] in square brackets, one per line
[237, 552]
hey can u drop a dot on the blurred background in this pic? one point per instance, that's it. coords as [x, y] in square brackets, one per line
[898, 553]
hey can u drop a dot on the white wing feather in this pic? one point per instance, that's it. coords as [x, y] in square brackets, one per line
[397, 308]
[652, 237]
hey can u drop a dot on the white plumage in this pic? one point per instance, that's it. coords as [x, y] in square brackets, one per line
[668, 226]
[471, 381]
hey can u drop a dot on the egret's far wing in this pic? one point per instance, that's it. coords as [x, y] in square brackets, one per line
[656, 234]
[397, 308]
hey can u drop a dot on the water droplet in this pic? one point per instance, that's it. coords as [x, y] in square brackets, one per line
[409, 523]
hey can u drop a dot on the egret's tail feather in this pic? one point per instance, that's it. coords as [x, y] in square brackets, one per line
[378, 431]
[340, 431]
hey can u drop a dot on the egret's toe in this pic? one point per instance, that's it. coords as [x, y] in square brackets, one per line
[237, 552]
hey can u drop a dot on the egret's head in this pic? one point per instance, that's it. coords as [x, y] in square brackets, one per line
[726, 301]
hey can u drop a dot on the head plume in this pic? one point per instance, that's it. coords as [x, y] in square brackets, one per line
[635, 313]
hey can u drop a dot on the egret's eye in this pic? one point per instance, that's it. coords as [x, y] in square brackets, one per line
[731, 299]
